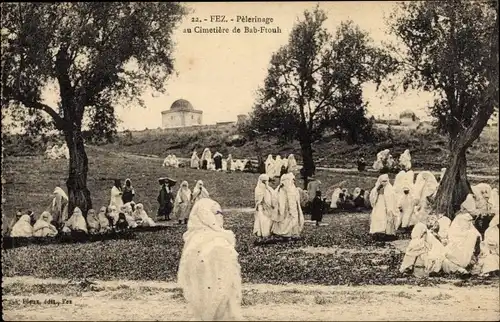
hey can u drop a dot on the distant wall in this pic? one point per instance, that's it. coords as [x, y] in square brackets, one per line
[180, 119]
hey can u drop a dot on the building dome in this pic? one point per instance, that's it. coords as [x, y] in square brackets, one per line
[181, 105]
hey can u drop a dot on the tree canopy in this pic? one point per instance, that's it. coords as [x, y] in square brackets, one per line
[451, 48]
[97, 54]
[314, 83]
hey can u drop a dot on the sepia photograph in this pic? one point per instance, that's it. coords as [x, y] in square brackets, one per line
[250, 161]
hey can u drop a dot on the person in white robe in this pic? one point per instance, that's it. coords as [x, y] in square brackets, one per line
[104, 225]
[335, 198]
[175, 162]
[384, 218]
[381, 160]
[444, 227]
[113, 214]
[129, 215]
[399, 183]
[22, 228]
[425, 253]
[59, 208]
[278, 163]
[76, 222]
[182, 203]
[489, 258]
[269, 166]
[313, 186]
[265, 206]
[406, 207]
[405, 160]
[206, 158]
[425, 187]
[229, 163]
[291, 163]
[238, 165]
[195, 161]
[390, 163]
[199, 192]
[93, 223]
[116, 195]
[288, 220]
[141, 217]
[462, 239]
[167, 160]
[209, 273]
[43, 226]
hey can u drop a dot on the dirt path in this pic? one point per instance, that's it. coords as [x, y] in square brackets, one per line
[336, 170]
[153, 300]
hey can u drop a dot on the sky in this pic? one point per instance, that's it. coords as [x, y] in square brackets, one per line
[219, 73]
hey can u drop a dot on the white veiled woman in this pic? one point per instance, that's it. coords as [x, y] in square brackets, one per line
[335, 198]
[142, 218]
[195, 160]
[22, 228]
[199, 192]
[229, 163]
[425, 187]
[488, 260]
[277, 166]
[291, 163]
[462, 239]
[288, 220]
[399, 182]
[76, 222]
[482, 193]
[59, 207]
[206, 155]
[43, 226]
[269, 165]
[182, 202]
[265, 206]
[113, 214]
[384, 218]
[209, 273]
[405, 160]
[103, 220]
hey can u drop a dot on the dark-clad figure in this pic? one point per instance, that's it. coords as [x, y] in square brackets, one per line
[317, 208]
[165, 198]
[218, 161]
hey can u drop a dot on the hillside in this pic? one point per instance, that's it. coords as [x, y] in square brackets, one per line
[429, 150]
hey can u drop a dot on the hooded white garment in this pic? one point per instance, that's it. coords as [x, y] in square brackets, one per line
[483, 193]
[167, 161]
[206, 155]
[405, 160]
[238, 165]
[381, 159]
[416, 247]
[425, 186]
[199, 192]
[77, 221]
[229, 164]
[335, 198]
[93, 222]
[116, 198]
[288, 220]
[270, 166]
[399, 182]
[142, 218]
[265, 206]
[43, 226]
[406, 207]
[174, 162]
[312, 187]
[444, 227]
[129, 216]
[462, 238]
[385, 217]
[113, 214]
[103, 220]
[182, 202]
[277, 167]
[209, 273]
[59, 206]
[291, 163]
[195, 161]
[22, 228]
[488, 260]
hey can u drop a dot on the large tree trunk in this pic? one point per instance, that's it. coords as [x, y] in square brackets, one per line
[78, 193]
[454, 186]
[308, 166]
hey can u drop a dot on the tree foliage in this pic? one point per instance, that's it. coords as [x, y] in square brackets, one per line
[315, 81]
[451, 48]
[95, 53]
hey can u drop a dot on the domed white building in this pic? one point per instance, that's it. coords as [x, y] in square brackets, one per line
[181, 114]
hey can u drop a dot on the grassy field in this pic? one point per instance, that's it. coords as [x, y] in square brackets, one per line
[341, 253]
